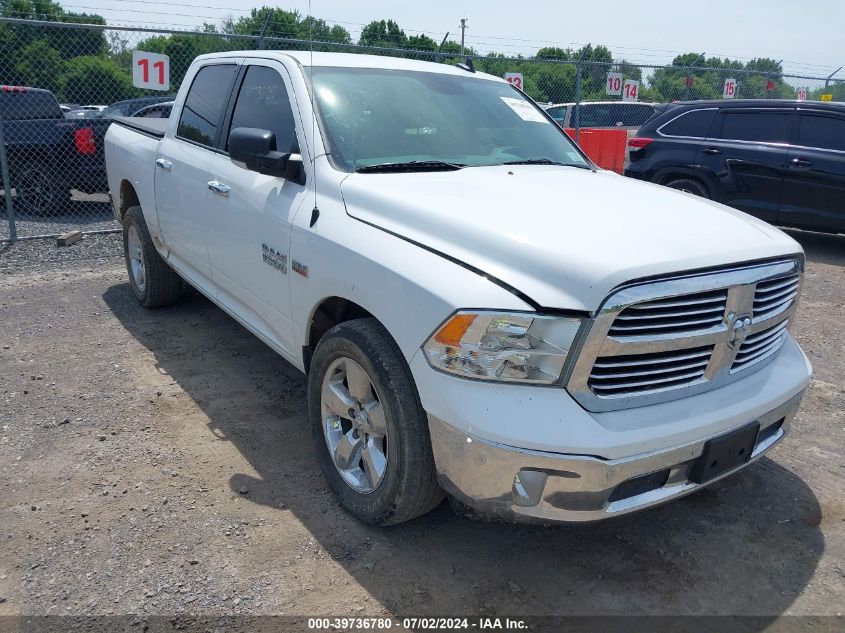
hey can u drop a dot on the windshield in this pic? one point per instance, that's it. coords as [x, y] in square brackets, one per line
[374, 116]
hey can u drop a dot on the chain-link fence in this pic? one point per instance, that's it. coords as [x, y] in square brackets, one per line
[64, 82]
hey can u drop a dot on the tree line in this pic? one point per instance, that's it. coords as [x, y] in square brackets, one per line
[89, 66]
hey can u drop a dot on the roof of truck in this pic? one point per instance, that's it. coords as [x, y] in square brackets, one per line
[353, 60]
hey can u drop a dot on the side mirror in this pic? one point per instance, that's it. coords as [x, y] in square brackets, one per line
[256, 149]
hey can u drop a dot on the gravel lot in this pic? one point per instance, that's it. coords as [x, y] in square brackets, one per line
[159, 462]
[83, 212]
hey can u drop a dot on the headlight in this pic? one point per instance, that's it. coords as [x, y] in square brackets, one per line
[508, 347]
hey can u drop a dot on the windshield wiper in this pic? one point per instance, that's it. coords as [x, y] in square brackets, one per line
[545, 161]
[412, 165]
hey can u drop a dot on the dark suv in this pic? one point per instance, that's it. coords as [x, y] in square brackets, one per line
[783, 161]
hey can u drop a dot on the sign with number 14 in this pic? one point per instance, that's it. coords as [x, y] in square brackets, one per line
[630, 90]
[150, 70]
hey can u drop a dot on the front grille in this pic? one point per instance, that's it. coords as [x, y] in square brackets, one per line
[672, 338]
[624, 375]
[758, 347]
[674, 314]
[776, 295]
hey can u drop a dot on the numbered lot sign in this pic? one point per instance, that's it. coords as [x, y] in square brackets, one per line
[614, 84]
[630, 90]
[515, 79]
[802, 94]
[729, 91]
[151, 71]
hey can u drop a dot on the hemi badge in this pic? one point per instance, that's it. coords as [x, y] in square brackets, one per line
[299, 267]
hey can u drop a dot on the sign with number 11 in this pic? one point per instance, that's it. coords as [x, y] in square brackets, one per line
[150, 70]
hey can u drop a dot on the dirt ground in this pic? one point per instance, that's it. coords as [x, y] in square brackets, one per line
[159, 462]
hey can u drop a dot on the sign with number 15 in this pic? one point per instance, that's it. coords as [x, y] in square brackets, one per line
[150, 70]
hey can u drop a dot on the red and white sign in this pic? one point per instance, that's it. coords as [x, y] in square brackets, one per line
[150, 70]
[614, 84]
[729, 91]
[630, 90]
[802, 94]
[515, 79]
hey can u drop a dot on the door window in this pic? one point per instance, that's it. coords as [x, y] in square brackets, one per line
[263, 103]
[762, 127]
[558, 113]
[823, 132]
[205, 103]
[693, 124]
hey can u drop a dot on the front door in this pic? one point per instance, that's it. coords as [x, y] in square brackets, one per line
[250, 214]
[814, 188]
[745, 155]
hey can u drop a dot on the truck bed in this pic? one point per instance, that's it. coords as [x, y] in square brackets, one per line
[151, 127]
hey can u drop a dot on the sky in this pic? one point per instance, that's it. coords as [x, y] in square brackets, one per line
[806, 35]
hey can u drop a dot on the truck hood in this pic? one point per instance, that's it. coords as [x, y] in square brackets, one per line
[565, 237]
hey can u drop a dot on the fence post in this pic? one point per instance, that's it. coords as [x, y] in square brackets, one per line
[7, 186]
[577, 102]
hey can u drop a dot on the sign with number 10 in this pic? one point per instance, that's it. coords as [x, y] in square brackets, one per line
[150, 70]
[614, 84]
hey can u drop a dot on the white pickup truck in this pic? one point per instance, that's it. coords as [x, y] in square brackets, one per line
[478, 309]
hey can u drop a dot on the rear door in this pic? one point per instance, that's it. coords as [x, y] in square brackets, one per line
[814, 186]
[250, 214]
[745, 157]
[182, 168]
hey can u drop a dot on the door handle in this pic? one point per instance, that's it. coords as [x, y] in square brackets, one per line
[219, 188]
[164, 164]
[711, 150]
[801, 163]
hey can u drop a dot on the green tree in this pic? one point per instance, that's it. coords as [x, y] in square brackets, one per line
[39, 65]
[383, 34]
[553, 52]
[90, 79]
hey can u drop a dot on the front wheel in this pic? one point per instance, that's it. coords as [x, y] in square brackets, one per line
[689, 185]
[369, 427]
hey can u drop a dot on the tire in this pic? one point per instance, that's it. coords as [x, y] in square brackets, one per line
[154, 283]
[38, 192]
[689, 185]
[390, 420]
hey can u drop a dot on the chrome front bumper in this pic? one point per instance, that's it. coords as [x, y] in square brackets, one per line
[504, 482]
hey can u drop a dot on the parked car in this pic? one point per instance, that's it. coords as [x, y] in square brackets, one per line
[782, 161]
[49, 154]
[603, 127]
[131, 107]
[478, 309]
[604, 114]
[155, 111]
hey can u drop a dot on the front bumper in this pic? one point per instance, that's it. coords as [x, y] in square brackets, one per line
[500, 481]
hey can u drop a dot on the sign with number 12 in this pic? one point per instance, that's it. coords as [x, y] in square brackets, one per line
[150, 70]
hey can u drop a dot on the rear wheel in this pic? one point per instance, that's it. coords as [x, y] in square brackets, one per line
[689, 185]
[370, 429]
[153, 281]
[37, 192]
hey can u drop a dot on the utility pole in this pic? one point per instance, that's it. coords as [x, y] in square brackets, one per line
[463, 32]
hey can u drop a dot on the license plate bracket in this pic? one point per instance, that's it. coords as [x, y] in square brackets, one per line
[725, 453]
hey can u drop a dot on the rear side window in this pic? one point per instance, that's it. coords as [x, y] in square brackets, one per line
[694, 124]
[762, 127]
[263, 103]
[558, 113]
[614, 115]
[205, 103]
[17, 104]
[824, 132]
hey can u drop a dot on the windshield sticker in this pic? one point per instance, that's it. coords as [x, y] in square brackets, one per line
[524, 110]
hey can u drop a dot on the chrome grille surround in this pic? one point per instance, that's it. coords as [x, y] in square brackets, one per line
[613, 372]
